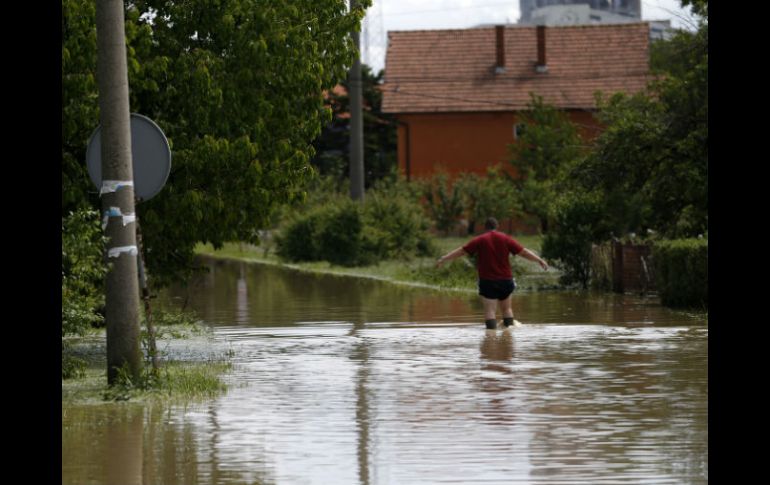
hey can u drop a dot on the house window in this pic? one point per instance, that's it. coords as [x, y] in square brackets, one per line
[518, 130]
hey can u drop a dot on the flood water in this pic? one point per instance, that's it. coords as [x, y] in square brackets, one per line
[340, 380]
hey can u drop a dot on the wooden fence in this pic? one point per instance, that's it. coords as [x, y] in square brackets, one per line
[623, 268]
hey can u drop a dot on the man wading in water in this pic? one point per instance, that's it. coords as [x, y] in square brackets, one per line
[495, 277]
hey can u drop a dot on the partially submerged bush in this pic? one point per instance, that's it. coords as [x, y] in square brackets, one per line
[681, 268]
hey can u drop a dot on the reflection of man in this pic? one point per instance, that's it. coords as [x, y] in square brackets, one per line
[497, 347]
[496, 383]
[494, 268]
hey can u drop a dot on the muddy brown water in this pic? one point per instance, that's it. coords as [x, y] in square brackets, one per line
[340, 380]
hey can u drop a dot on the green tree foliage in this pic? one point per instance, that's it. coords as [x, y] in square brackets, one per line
[490, 196]
[443, 202]
[333, 145]
[236, 86]
[648, 169]
[80, 109]
[83, 270]
[578, 216]
[547, 143]
[681, 268]
[651, 162]
[387, 225]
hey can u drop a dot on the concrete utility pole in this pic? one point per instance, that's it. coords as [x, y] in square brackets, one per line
[356, 122]
[122, 295]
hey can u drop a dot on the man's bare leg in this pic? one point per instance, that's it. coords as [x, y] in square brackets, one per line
[489, 313]
[507, 311]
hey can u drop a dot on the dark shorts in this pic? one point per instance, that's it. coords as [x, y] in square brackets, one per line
[496, 289]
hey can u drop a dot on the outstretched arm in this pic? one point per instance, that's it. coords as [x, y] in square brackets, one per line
[450, 256]
[527, 254]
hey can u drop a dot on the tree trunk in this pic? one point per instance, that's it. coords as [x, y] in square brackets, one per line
[122, 288]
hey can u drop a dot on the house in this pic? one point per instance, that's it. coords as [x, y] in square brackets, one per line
[458, 94]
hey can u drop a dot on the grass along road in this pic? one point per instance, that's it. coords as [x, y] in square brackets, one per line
[458, 275]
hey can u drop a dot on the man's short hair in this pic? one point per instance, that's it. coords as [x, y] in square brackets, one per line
[491, 223]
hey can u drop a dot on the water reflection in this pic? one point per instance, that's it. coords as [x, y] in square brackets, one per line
[270, 296]
[339, 380]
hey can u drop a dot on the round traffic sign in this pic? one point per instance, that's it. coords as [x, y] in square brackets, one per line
[150, 152]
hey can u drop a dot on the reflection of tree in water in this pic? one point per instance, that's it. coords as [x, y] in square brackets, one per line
[102, 444]
[139, 444]
[177, 453]
[280, 296]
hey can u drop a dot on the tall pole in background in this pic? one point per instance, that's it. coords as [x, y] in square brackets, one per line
[356, 122]
[117, 192]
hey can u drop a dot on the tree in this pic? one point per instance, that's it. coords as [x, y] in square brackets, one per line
[651, 162]
[333, 145]
[648, 169]
[547, 143]
[238, 91]
[483, 197]
[443, 201]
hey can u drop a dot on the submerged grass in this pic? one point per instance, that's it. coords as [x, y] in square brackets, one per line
[175, 380]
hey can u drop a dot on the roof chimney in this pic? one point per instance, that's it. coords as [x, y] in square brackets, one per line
[541, 66]
[500, 49]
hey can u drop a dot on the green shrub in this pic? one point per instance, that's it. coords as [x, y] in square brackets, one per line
[331, 232]
[298, 241]
[489, 196]
[395, 226]
[389, 224]
[569, 243]
[681, 268]
[443, 202]
[339, 237]
[83, 270]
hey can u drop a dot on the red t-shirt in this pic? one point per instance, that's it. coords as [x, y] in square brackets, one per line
[492, 248]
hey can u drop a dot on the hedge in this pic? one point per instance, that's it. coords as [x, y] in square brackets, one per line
[681, 268]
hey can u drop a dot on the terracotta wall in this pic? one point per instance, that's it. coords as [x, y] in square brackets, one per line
[463, 142]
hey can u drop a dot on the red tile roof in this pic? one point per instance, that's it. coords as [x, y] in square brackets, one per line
[454, 70]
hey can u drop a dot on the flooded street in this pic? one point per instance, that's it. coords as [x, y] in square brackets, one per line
[341, 380]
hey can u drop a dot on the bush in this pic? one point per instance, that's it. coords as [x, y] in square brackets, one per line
[331, 232]
[83, 270]
[490, 196]
[339, 237]
[442, 202]
[395, 226]
[389, 224]
[576, 228]
[298, 241]
[681, 268]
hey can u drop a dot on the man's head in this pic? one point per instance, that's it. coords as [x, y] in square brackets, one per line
[490, 224]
